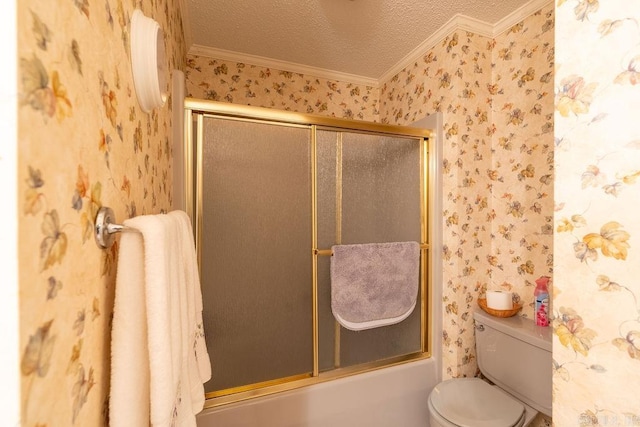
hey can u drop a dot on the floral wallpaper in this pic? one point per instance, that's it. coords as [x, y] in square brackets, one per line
[453, 78]
[83, 143]
[596, 347]
[498, 165]
[521, 174]
[240, 83]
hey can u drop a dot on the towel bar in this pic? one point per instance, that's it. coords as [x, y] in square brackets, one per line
[329, 252]
[105, 228]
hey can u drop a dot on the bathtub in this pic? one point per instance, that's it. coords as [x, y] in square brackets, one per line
[388, 397]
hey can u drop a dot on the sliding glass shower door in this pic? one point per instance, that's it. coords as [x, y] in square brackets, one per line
[273, 192]
[368, 191]
[256, 265]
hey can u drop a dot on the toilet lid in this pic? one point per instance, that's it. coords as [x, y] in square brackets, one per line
[471, 402]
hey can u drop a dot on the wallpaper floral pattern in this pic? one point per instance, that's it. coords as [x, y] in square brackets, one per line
[496, 98]
[521, 176]
[596, 347]
[240, 83]
[83, 143]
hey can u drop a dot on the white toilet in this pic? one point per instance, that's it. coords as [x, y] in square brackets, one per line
[515, 355]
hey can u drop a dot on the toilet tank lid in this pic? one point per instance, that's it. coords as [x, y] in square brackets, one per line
[518, 327]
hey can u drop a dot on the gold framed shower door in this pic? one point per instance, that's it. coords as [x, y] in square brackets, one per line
[195, 113]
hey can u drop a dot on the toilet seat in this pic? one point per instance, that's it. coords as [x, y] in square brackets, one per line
[472, 402]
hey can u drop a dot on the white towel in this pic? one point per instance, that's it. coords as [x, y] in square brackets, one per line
[198, 366]
[159, 357]
[129, 395]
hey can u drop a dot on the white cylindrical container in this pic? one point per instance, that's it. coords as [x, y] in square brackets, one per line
[499, 300]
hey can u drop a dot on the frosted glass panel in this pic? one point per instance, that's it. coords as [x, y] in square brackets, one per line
[326, 321]
[381, 343]
[256, 242]
[326, 147]
[369, 185]
[380, 203]
[380, 189]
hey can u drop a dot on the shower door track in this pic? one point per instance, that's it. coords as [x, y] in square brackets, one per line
[195, 112]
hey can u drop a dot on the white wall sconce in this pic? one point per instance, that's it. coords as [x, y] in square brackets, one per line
[148, 61]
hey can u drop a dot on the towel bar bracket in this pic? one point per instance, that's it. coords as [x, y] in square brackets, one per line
[105, 228]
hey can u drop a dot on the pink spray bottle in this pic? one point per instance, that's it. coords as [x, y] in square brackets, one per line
[541, 295]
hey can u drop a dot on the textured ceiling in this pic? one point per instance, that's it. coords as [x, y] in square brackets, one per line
[360, 37]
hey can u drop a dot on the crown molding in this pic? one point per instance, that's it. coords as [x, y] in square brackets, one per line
[465, 23]
[262, 61]
[518, 15]
[457, 23]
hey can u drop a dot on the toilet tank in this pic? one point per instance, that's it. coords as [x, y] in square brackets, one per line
[515, 354]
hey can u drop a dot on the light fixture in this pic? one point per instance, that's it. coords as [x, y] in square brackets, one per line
[148, 61]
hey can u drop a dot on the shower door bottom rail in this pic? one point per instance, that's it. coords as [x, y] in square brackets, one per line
[237, 394]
